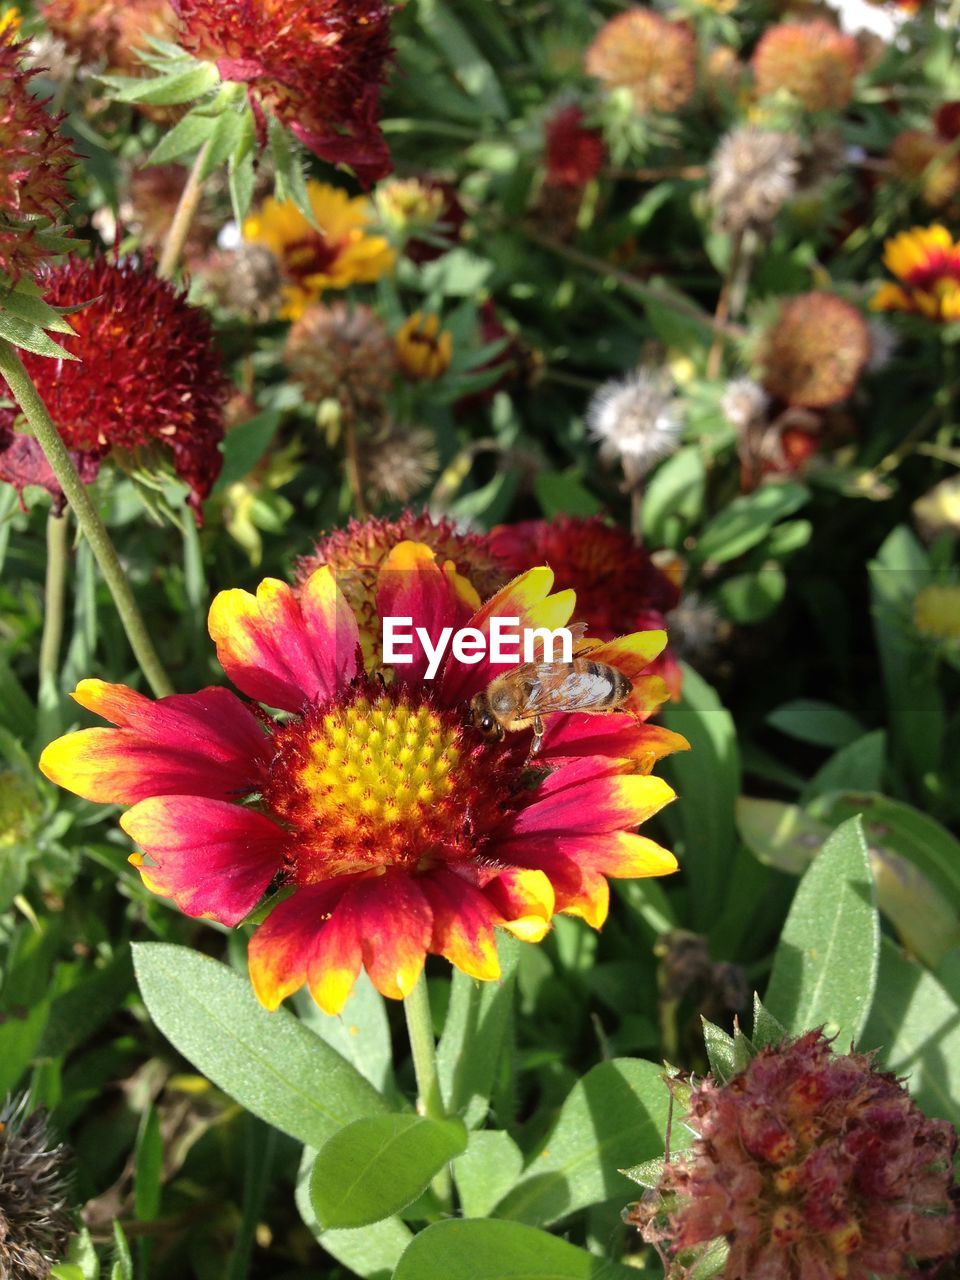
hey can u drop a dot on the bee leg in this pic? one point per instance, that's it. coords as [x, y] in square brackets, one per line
[537, 738]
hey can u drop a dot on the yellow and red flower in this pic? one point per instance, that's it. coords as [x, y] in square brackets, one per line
[618, 587]
[316, 65]
[146, 376]
[391, 826]
[813, 61]
[926, 261]
[34, 162]
[342, 253]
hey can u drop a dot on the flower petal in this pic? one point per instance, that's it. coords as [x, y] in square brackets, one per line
[630, 654]
[282, 952]
[525, 900]
[582, 804]
[205, 743]
[570, 737]
[412, 585]
[396, 925]
[283, 652]
[463, 924]
[337, 958]
[527, 599]
[592, 902]
[212, 858]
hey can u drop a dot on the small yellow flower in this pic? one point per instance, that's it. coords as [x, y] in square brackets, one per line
[936, 612]
[341, 253]
[408, 206]
[424, 350]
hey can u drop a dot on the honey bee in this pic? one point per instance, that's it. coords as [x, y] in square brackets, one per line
[519, 699]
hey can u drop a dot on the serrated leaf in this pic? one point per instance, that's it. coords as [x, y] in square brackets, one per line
[371, 1169]
[185, 138]
[224, 139]
[35, 310]
[242, 179]
[766, 1029]
[30, 337]
[269, 1062]
[170, 89]
[720, 1050]
[825, 966]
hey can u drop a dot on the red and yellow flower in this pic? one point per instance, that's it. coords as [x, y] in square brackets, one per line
[317, 66]
[812, 60]
[424, 350]
[926, 261]
[343, 252]
[390, 826]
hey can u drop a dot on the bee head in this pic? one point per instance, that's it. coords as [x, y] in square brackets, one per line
[480, 717]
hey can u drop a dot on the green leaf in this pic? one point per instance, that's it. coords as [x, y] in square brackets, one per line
[748, 598]
[27, 306]
[122, 1268]
[375, 1167]
[244, 445]
[673, 498]
[491, 1250]
[20, 1034]
[242, 178]
[486, 1171]
[268, 1062]
[856, 767]
[719, 1047]
[766, 1029]
[466, 63]
[476, 1025]
[780, 835]
[819, 723]
[361, 1033]
[825, 966]
[30, 337]
[915, 1026]
[746, 521]
[148, 1168]
[224, 140]
[709, 774]
[561, 493]
[185, 138]
[372, 1252]
[614, 1117]
[181, 85]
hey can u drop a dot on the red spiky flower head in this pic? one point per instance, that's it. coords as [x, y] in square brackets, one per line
[394, 826]
[814, 351]
[316, 65]
[574, 153]
[34, 161]
[618, 586]
[110, 31]
[146, 376]
[811, 60]
[813, 1166]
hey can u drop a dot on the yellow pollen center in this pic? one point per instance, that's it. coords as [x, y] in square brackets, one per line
[373, 784]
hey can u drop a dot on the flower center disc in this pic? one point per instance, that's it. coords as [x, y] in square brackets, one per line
[371, 784]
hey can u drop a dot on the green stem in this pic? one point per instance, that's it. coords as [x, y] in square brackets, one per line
[58, 527]
[183, 217]
[416, 1007]
[76, 492]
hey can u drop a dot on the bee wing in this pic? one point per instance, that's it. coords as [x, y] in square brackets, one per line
[557, 686]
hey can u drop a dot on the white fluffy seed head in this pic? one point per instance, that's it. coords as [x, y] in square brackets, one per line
[636, 420]
[753, 173]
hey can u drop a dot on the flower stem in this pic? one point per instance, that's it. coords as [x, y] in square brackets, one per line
[183, 217]
[722, 314]
[352, 464]
[35, 411]
[58, 527]
[416, 1007]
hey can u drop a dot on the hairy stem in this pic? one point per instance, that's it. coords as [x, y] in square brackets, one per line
[58, 531]
[183, 218]
[41, 424]
[416, 1007]
[352, 464]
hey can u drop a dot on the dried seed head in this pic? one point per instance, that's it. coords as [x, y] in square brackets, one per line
[344, 353]
[753, 174]
[35, 1223]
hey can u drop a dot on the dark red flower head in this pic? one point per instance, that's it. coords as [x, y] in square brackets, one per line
[812, 1165]
[317, 65]
[146, 375]
[574, 153]
[34, 161]
[617, 584]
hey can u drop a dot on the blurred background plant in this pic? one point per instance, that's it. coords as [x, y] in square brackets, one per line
[668, 296]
